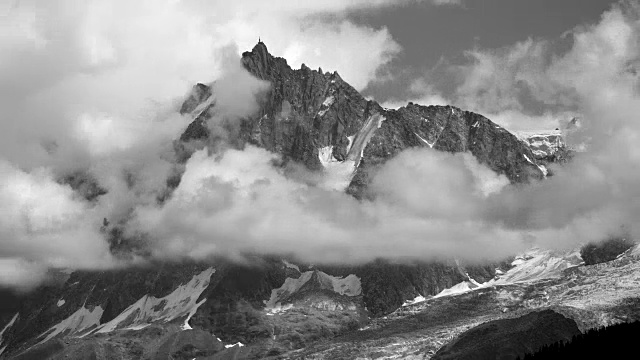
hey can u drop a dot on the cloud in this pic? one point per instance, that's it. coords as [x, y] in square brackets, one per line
[422, 93]
[43, 223]
[592, 198]
[238, 203]
[537, 83]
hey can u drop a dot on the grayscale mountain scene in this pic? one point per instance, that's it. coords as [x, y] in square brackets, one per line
[328, 179]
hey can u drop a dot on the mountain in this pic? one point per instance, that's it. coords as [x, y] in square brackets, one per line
[274, 307]
[319, 120]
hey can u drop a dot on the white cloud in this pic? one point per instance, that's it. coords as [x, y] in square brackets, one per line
[422, 93]
[42, 223]
[238, 203]
[533, 85]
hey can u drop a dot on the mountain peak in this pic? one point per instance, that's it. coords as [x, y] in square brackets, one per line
[260, 47]
[260, 51]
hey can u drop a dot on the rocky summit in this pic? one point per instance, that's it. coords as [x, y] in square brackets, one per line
[276, 308]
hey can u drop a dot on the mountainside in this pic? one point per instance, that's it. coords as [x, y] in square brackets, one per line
[275, 307]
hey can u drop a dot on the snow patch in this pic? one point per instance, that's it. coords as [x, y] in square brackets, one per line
[415, 300]
[278, 309]
[425, 141]
[350, 138]
[289, 287]
[348, 286]
[363, 136]
[81, 320]
[183, 301]
[6, 327]
[290, 265]
[337, 174]
[459, 288]
[325, 105]
[202, 107]
[238, 344]
[542, 168]
[537, 264]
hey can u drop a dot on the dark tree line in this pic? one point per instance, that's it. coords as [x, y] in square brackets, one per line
[613, 342]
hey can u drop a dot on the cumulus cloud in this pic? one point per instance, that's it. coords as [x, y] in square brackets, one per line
[538, 83]
[43, 223]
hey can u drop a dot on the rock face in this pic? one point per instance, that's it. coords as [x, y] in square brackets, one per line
[510, 338]
[317, 118]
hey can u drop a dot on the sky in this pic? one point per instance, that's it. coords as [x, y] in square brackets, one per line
[429, 34]
[91, 88]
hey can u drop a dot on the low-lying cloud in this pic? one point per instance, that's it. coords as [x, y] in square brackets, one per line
[237, 202]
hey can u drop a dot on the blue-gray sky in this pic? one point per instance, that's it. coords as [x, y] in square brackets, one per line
[429, 34]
